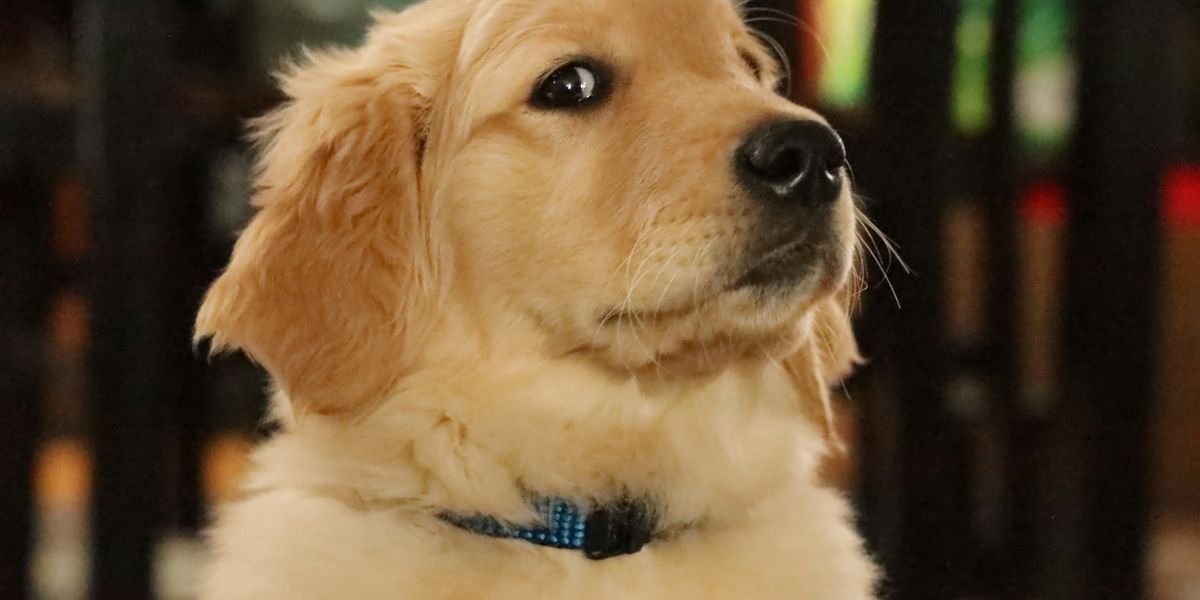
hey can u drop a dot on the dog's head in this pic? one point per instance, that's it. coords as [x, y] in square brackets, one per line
[614, 179]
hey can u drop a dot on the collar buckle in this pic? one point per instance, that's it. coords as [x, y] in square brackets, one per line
[617, 529]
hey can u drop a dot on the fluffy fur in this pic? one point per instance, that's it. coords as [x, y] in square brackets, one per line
[460, 297]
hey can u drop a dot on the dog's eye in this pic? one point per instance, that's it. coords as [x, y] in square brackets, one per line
[575, 85]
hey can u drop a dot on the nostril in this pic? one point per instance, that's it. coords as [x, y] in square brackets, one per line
[832, 167]
[785, 163]
[793, 161]
[835, 155]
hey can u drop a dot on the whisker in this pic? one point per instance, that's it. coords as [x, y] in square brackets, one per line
[663, 294]
[695, 286]
[637, 325]
[643, 235]
[779, 16]
[873, 234]
[780, 53]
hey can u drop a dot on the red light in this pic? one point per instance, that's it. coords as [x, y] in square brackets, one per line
[1045, 203]
[1181, 196]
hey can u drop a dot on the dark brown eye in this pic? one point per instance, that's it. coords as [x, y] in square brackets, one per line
[575, 85]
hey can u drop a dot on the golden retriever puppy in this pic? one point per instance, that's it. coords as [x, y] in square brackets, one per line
[551, 292]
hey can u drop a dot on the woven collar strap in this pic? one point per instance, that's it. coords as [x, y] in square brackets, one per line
[604, 531]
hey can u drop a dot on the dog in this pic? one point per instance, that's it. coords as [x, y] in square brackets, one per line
[551, 294]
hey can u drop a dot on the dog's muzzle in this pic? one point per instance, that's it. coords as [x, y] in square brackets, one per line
[794, 171]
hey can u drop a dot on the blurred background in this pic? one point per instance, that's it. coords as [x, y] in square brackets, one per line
[1028, 425]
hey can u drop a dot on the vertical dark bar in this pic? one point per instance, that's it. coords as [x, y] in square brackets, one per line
[123, 61]
[1011, 568]
[23, 293]
[1002, 184]
[184, 290]
[910, 93]
[1110, 307]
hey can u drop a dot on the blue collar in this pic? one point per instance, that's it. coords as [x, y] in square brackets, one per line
[604, 531]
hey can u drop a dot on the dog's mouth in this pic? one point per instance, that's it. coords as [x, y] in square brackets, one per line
[745, 310]
[779, 269]
[633, 315]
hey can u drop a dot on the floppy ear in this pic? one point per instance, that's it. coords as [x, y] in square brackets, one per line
[828, 354]
[326, 284]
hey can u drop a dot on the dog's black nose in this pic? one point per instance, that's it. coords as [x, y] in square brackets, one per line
[792, 163]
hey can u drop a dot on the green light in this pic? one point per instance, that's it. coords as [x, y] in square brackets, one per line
[845, 28]
[1045, 86]
[972, 103]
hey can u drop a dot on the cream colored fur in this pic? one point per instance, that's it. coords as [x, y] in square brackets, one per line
[460, 297]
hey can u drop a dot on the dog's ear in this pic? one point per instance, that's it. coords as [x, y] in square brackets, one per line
[327, 284]
[828, 354]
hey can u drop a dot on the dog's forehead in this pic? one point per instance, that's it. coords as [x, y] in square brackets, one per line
[687, 27]
[651, 18]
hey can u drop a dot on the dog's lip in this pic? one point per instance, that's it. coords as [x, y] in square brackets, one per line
[648, 316]
[777, 264]
[779, 259]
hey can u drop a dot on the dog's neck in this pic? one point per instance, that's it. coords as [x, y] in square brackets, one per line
[477, 437]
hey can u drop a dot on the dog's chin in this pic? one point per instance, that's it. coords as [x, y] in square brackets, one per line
[753, 316]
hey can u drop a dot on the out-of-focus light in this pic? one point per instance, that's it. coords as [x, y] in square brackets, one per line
[972, 104]
[1181, 197]
[1045, 203]
[844, 30]
[1045, 83]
